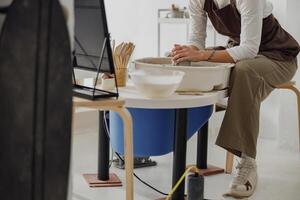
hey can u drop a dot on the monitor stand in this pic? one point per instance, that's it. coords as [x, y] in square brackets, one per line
[92, 93]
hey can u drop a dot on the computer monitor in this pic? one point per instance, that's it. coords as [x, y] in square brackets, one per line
[92, 45]
[90, 33]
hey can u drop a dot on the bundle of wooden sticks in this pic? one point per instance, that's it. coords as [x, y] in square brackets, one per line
[122, 54]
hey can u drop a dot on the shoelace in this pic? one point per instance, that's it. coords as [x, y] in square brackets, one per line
[243, 167]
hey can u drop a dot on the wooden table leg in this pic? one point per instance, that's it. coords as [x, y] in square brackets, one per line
[128, 144]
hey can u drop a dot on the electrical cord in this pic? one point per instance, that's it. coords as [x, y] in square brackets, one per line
[142, 181]
[180, 180]
[118, 155]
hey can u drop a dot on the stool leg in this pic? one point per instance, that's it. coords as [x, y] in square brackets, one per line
[298, 102]
[297, 92]
[294, 89]
[229, 162]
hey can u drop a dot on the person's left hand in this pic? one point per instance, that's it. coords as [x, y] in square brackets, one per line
[187, 54]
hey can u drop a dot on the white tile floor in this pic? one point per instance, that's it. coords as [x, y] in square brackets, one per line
[279, 172]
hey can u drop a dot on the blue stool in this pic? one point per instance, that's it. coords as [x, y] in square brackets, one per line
[153, 129]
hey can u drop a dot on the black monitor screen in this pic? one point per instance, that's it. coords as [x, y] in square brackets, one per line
[90, 32]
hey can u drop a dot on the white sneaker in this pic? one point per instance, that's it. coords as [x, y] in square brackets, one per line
[244, 183]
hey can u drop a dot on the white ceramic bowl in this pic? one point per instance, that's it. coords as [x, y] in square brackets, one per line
[200, 76]
[156, 83]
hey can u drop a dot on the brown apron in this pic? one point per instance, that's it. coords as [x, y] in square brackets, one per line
[276, 43]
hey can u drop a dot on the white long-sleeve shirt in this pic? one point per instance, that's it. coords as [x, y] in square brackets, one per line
[252, 14]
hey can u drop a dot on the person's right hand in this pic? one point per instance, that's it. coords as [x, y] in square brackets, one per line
[182, 53]
[178, 48]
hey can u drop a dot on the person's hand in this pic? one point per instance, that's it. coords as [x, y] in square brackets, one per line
[178, 47]
[181, 53]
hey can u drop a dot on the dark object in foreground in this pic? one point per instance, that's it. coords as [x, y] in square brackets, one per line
[4, 9]
[36, 102]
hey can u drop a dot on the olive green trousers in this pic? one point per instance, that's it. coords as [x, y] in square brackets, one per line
[251, 82]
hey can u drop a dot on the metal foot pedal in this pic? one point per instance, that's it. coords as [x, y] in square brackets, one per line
[140, 162]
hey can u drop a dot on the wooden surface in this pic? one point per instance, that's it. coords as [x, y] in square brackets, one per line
[116, 105]
[286, 85]
[112, 102]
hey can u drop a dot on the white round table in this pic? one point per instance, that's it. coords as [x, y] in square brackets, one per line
[134, 99]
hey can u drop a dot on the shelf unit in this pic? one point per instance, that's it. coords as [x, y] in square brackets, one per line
[185, 21]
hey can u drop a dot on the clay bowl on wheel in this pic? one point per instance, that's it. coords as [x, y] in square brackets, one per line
[156, 83]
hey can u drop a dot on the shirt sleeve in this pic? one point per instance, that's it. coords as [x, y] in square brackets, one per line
[198, 17]
[251, 29]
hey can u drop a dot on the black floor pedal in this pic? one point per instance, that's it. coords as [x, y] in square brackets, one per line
[139, 162]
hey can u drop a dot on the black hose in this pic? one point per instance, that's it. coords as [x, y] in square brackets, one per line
[138, 178]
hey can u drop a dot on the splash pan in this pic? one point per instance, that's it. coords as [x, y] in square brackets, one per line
[200, 76]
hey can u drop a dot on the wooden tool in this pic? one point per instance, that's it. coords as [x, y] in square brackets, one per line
[121, 56]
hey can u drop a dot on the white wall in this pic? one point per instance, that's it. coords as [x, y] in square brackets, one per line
[279, 11]
[136, 21]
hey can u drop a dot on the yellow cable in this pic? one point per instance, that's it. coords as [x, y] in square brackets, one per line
[180, 180]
